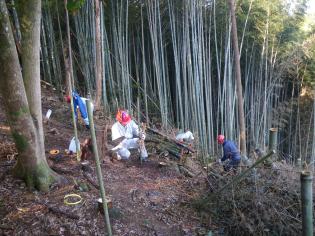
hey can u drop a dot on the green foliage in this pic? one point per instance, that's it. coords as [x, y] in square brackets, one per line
[74, 5]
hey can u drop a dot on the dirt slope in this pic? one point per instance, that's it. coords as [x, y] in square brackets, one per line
[147, 200]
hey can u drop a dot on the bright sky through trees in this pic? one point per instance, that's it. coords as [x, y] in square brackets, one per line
[311, 8]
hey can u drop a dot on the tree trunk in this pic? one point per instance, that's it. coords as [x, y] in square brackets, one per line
[98, 64]
[30, 30]
[238, 80]
[23, 104]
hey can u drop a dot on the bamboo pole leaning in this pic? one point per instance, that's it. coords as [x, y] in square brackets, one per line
[98, 168]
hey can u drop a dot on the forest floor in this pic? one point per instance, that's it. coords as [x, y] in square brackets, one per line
[146, 199]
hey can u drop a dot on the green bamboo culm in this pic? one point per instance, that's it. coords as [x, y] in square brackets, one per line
[71, 85]
[307, 203]
[273, 139]
[77, 144]
[98, 167]
[272, 145]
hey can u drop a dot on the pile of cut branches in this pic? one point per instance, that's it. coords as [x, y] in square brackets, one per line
[265, 202]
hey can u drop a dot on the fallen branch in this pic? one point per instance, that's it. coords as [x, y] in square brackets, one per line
[214, 174]
[59, 211]
[56, 210]
[91, 181]
[175, 154]
[186, 171]
[64, 171]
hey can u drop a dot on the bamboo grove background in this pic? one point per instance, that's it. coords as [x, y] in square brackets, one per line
[171, 63]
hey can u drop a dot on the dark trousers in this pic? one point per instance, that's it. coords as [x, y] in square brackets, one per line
[232, 164]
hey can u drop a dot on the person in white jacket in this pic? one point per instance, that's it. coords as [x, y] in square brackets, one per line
[131, 138]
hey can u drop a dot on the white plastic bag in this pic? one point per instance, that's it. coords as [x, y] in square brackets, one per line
[48, 114]
[72, 145]
[187, 137]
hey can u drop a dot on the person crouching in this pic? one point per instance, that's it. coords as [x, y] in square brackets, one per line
[126, 132]
[230, 153]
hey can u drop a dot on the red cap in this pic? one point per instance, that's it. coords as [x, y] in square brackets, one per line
[123, 117]
[220, 139]
[68, 98]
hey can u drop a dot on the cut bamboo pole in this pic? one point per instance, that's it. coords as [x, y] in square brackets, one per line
[273, 139]
[307, 203]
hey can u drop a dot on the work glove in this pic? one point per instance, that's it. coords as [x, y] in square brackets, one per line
[142, 136]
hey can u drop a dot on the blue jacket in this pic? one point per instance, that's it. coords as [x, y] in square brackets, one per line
[78, 102]
[230, 151]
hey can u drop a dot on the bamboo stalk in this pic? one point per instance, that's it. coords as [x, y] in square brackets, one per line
[71, 83]
[307, 203]
[98, 167]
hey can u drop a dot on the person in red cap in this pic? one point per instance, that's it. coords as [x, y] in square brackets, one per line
[127, 130]
[230, 153]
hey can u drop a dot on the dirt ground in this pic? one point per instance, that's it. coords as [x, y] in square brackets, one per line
[146, 199]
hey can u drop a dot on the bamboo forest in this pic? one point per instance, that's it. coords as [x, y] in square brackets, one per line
[157, 117]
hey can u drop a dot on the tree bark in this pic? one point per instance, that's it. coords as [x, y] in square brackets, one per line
[238, 80]
[98, 64]
[30, 31]
[23, 101]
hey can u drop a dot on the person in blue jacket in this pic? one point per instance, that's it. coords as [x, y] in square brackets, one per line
[230, 152]
[80, 102]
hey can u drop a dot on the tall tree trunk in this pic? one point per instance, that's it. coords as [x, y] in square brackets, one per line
[238, 79]
[98, 64]
[30, 31]
[23, 101]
